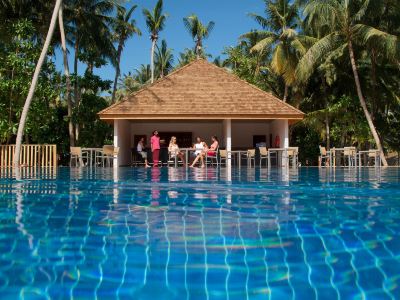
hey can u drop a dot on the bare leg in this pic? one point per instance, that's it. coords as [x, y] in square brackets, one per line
[195, 160]
[182, 157]
[202, 160]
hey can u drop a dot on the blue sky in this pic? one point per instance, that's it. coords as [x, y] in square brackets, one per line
[230, 17]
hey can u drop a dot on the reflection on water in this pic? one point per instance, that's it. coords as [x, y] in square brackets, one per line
[178, 233]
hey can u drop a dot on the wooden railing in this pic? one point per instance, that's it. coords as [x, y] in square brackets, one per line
[31, 155]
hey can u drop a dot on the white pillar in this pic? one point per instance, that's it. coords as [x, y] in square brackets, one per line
[116, 142]
[228, 139]
[286, 133]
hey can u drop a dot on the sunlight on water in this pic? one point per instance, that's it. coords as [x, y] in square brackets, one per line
[200, 233]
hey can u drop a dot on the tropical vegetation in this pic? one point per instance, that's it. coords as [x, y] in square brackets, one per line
[336, 60]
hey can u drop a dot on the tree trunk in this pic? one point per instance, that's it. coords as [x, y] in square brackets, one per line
[375, 106]
[117, 70]
[285, 94]
[76, 49]
[153, 45]
[32, 88]
[364, 105]
[76, 83]
[327, 126]
[198, 48]
[67, 78]
[328, 132]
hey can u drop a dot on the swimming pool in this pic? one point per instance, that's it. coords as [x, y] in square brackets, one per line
[131, 233]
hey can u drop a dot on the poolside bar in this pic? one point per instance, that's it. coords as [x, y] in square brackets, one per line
[201, 99]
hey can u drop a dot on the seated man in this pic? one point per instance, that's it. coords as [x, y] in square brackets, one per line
[141, 150]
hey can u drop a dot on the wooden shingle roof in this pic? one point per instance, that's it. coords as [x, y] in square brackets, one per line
[201, 90]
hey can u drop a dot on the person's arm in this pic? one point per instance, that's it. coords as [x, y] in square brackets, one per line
[151, 144]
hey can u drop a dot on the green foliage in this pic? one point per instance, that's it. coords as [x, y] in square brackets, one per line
[308, 140]
[92, 131]
[198, 31]
[300, 50]
[164, 59]
[17, 63]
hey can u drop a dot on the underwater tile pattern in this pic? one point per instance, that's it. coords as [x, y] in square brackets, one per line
[131, 233]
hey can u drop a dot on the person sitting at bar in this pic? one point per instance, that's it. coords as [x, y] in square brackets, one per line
[198, 148]
[141, 151]
[173, 150]
[212, 151]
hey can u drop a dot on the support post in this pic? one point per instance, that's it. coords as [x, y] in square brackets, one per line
[228, 140]
[286, 134]
[116, 142]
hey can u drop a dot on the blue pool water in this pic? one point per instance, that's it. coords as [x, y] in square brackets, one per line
[200, 234]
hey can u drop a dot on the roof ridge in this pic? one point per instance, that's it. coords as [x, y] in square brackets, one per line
[255, 87]
[148, 86]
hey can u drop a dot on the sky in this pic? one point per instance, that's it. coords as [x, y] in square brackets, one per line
[230, 17]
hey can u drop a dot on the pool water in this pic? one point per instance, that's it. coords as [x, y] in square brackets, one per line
[168, 233]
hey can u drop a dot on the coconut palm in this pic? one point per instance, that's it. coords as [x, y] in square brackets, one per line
[35, 78]
[186, 57]
[280, 35]
[198, 31]
[67, 77]
[89, 22]
[124, 28]
[164, 59]
[342, 18]
[155, 22]
[143, 74]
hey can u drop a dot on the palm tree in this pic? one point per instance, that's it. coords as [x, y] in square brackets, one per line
[164, 59]
[124, 28]
[342, 18]
[280, 36]
[155, 22]
[89, 22]
[143, 74]
[89, 25]
[67, 77]
[199, 32]
[35, 78]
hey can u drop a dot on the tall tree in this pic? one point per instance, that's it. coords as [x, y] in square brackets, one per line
[32, 88]
[342, 18]
[198, 31]
[124, 28]
[89, 25]
[164, 59]
[280, 35]
[155, 22]
[89, 22]
[67, 77]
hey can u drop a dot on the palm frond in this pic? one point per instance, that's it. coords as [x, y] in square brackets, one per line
[361, 12]
[264, 44]
[387, 43]
[263, 22]
[314, 55]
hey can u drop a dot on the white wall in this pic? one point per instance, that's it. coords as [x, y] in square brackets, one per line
[280, 128]
[122, 139]
[242, 132]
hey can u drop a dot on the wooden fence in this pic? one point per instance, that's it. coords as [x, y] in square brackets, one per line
[31, 155]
